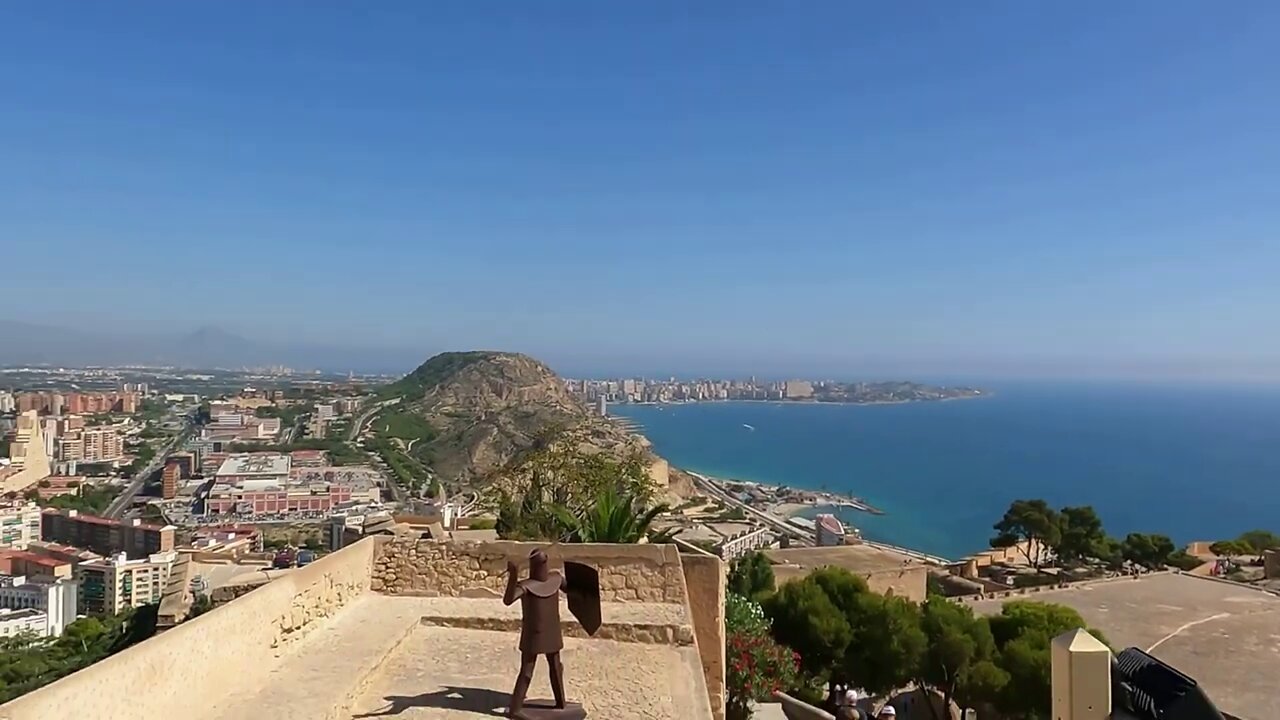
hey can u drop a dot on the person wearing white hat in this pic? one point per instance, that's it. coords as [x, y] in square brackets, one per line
[847, 705]
[887, 712]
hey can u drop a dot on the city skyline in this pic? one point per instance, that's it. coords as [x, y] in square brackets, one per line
[855, 191]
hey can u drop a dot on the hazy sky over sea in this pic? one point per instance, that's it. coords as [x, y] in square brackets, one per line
[1000, 188]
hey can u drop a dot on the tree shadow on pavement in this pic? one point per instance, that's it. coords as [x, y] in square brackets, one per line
[481, 701]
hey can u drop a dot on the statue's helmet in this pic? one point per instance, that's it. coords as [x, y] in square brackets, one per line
[538, 566]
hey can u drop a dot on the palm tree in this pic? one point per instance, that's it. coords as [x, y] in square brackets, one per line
[614, 517]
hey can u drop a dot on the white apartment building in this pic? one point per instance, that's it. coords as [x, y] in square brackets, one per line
[112, 584]
[55, 599]
[19, 525]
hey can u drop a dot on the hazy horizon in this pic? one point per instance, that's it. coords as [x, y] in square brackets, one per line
[399, 360]
[1083, 191]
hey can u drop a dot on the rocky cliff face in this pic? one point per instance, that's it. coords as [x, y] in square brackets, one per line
[490, 408]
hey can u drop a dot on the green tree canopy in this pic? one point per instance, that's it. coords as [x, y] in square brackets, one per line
[1149, 551]
[958, 660]
[805, 619]
[1260, 540]
[1231, 548]
[751, 576]
[887, 643]
[1080, 534]
[1025, 524]
[1023, 632]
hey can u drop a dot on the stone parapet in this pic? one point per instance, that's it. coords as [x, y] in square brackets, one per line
[202, 660]
[431, 568]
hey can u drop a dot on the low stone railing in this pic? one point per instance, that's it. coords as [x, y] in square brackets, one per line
[431, 568]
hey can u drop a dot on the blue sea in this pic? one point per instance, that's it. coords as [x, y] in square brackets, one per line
[1191, 462]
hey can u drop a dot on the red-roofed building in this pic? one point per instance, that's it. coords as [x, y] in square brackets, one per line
[107, 537]
[23, 562]
[830, 531]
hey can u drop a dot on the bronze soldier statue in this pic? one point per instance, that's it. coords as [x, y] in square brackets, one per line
[539, 597]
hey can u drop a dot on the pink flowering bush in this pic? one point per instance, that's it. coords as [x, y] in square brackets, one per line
[757, 666]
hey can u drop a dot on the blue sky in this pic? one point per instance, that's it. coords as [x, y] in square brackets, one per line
[989, 187]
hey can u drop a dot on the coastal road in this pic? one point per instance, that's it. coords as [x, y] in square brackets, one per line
[713, 489]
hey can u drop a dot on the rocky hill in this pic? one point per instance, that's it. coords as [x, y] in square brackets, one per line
[480, 412]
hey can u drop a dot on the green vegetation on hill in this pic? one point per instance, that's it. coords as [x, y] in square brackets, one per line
[472, 417]
[432, 372]
[404, 426]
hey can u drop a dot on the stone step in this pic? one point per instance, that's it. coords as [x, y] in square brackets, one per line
[328, 669]
[639, 622]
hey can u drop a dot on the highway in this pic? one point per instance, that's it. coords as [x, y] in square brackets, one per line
[398, 494]
[358, 426]
[125, 498]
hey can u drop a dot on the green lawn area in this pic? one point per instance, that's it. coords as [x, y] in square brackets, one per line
[403, 425]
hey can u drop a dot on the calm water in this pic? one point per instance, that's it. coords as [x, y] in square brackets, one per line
[1189, 462]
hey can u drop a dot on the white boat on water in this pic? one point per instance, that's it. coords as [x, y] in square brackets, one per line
[749, 427]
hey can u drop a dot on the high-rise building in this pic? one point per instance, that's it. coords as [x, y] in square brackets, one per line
[104, 536]
[7, 403]
[97, 403]
[602, 406]
[798, 389]
[91, 444]
[112, 584]
[187, 461]
[19, 525]
[169, 480]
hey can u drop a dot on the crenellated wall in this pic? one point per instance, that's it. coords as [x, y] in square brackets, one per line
[628, 573]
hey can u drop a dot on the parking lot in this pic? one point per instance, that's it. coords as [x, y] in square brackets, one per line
[1225, 636]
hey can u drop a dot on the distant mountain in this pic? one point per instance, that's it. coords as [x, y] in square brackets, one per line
[486, 409]
[206, 347]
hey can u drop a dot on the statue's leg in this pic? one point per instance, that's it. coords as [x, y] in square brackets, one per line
[527, 661]
[557, 677]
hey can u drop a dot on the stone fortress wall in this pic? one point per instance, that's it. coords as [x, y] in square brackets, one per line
[191, 668]
[203, 660]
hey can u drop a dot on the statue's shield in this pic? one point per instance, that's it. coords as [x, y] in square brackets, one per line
[582, 586]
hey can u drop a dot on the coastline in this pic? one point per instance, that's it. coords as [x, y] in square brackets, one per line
[811, 401]
[782, 513]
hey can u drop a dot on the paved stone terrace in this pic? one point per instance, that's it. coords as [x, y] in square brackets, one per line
[455, 674]
[1225, 636]
[397, 656]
